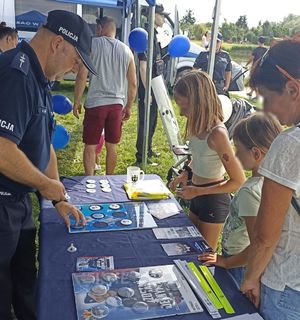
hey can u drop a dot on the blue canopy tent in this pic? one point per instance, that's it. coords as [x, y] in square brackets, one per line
[122, 4]
[101, 3]
[30, 21]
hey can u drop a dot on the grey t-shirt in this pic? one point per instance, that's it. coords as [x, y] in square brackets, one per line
[282, 165]
[111, 59]
[245, 203]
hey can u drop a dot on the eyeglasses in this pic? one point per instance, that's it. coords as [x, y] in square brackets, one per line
[269, 59]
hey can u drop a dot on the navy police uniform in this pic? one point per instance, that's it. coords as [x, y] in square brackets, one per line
[157, 70]
[25, 119]
[222, 65]
[257, 53]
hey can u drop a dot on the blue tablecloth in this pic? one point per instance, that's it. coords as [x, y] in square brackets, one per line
[134, 248]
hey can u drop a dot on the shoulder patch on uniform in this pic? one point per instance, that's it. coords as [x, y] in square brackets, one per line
[21, 62]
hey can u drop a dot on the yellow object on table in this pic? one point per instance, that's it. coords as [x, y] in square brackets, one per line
[147, 190]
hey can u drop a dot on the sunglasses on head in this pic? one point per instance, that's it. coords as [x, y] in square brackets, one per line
[267, 58]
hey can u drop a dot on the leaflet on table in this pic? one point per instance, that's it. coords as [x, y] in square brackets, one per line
[132, 294]
[186, 247]
[94, 263]
[163, 209]
[177, 232]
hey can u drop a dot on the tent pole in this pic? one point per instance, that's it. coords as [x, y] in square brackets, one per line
[148, 84]
[214, 35]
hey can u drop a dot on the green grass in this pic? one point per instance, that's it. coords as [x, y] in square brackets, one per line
[237, 46]
[70, 158]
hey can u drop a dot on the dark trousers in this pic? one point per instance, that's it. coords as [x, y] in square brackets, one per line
[17, 259]
[152, 125]
[220, 88]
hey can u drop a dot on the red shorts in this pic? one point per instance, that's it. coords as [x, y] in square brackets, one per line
[96, 119]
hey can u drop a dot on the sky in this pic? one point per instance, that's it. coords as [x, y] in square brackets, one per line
[255, 10]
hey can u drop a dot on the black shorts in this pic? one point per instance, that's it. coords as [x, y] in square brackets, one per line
[212, 208]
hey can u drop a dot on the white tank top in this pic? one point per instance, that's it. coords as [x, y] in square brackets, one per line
[206, 162]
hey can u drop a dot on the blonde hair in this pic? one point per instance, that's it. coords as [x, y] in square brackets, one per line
[205, 108]
[258, 130]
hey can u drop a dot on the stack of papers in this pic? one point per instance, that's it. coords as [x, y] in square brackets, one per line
[162, 209]
[147, 190]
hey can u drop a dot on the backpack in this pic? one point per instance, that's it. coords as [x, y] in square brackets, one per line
[241, 109]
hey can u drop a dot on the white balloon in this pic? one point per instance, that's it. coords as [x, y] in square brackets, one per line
[226, 106]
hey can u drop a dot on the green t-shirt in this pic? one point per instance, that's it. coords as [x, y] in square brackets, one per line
[245, 203]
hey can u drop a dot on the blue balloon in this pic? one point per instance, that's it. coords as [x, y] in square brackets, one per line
[60, 137]
[138, 40]
[61, 104]
[179, 46]
[151, 2]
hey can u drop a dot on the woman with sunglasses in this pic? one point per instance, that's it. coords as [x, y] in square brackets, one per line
[272, 280]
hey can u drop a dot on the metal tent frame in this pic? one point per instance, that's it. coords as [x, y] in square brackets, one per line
[212, 52]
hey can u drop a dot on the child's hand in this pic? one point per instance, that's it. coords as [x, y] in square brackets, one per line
[181, 179]
[209, 258]
[188, 193]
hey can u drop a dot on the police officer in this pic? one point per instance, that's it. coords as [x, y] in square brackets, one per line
[27, 159]
[256, 54]
[157, 69]
[222, 69]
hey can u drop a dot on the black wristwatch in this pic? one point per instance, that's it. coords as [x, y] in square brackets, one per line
[54, 202]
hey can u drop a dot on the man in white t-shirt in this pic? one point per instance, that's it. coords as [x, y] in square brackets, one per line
[110, 96]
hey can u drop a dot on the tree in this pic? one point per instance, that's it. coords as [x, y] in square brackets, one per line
[187, 21]
[229, 31]
[267, 29]
[238, 31]
[198, 30]
[251, 37]
[242, 22]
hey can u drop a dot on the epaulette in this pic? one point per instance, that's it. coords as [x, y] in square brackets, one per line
[21, 62]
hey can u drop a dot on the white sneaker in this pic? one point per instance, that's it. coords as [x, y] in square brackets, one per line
[97, 167]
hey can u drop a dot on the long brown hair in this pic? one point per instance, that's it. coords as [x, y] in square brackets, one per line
[258, 130]
[205, 108]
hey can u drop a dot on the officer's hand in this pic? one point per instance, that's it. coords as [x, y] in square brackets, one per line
[53, 190]
[65, 209]
[77, 109]
[225, 88]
